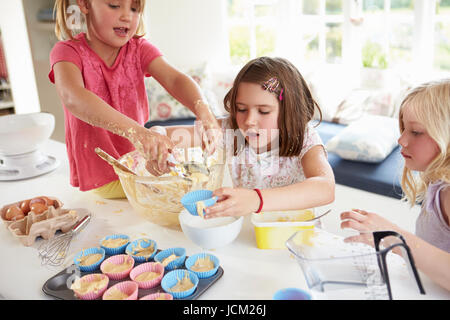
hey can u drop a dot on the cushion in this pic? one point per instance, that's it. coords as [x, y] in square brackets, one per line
[381, 178]
[163, 106]
[383, 102]
[369, 139]
[222, 79]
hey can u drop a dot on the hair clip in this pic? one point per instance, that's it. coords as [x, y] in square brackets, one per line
[272, 85]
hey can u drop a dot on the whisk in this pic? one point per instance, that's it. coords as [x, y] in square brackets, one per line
[53, 252]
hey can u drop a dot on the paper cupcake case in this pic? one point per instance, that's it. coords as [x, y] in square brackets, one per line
[143, 243]
[190, 262]
[190, 199]
[118, 260]
[171, 279]
[129, 288]
[116, 250]
[175, 264]
[158, 296]
[148, 267]
[93, 294]
[55, 286]
[86, 252]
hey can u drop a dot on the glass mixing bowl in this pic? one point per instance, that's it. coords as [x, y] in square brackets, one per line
[158, 198]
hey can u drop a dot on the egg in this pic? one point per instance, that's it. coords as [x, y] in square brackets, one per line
[38, 200]
[14, 213]
[25, 206]
[43, 199]
[38, 207]
[49, 201]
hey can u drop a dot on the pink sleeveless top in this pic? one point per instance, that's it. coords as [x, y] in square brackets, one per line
[121, 86]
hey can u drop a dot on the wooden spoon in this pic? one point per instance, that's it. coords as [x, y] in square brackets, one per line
[112, 161]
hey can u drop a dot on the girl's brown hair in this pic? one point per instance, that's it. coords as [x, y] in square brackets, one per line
[62, 30]
[296, 108]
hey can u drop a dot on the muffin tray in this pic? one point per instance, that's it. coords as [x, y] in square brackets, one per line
[57, 287]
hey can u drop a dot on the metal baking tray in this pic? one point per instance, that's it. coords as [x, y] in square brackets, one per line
[57, 286]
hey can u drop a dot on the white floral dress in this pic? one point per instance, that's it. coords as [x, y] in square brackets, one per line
[268, 170]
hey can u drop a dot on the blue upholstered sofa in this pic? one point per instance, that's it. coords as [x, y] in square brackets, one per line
[380, 178]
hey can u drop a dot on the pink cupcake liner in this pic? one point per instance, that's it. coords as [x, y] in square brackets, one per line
[155, 296]
[130, 288]
[117, 259]
[148, 267]
[94, 294]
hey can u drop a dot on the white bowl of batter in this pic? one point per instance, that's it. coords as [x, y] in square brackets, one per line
[210, 233]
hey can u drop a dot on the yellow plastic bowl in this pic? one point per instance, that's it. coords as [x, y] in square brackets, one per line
[272, 229]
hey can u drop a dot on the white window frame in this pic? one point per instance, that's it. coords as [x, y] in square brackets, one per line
[288, 20]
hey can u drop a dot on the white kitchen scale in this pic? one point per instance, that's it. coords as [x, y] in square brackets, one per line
[21, 140]
[27, 165]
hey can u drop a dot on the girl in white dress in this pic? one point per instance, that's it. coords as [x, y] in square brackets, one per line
[277, 159]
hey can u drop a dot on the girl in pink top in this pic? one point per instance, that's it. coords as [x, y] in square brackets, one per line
[425, 141]
[99, 76]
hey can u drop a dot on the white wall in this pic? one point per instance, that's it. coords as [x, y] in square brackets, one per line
[189, 32]
[18, 57]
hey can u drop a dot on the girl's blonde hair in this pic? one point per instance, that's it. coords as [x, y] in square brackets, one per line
[62, 30]
[430, 103]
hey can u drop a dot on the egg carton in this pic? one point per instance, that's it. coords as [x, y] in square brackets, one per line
[45, 225]
[57, 205]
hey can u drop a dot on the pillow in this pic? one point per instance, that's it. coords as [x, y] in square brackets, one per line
[222, 81]
[360, 102]
[369, 139]
[163, 106]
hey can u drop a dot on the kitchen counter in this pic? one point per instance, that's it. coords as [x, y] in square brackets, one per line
[249, 273]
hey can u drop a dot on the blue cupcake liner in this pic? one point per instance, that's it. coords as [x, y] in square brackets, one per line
[172, 278]
[203, 274]
[117, 250]
[190, 199]
[177, 263]
[144, 243]
[86, 252]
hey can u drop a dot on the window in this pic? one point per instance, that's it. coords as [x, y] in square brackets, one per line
[441, 59]
[383, 34]
[387, 33]
[252, 29]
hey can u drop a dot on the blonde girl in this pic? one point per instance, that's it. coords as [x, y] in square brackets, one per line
[425, 141]
[99, 76]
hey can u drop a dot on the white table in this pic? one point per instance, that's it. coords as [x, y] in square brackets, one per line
[249, 273]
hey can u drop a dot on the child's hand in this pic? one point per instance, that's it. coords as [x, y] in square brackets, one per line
[366, 223]
[208, 128]
[212, 136]
[233, 202]
[155, 148]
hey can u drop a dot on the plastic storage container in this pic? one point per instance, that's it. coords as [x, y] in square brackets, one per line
[272, 229]
[335, 269]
